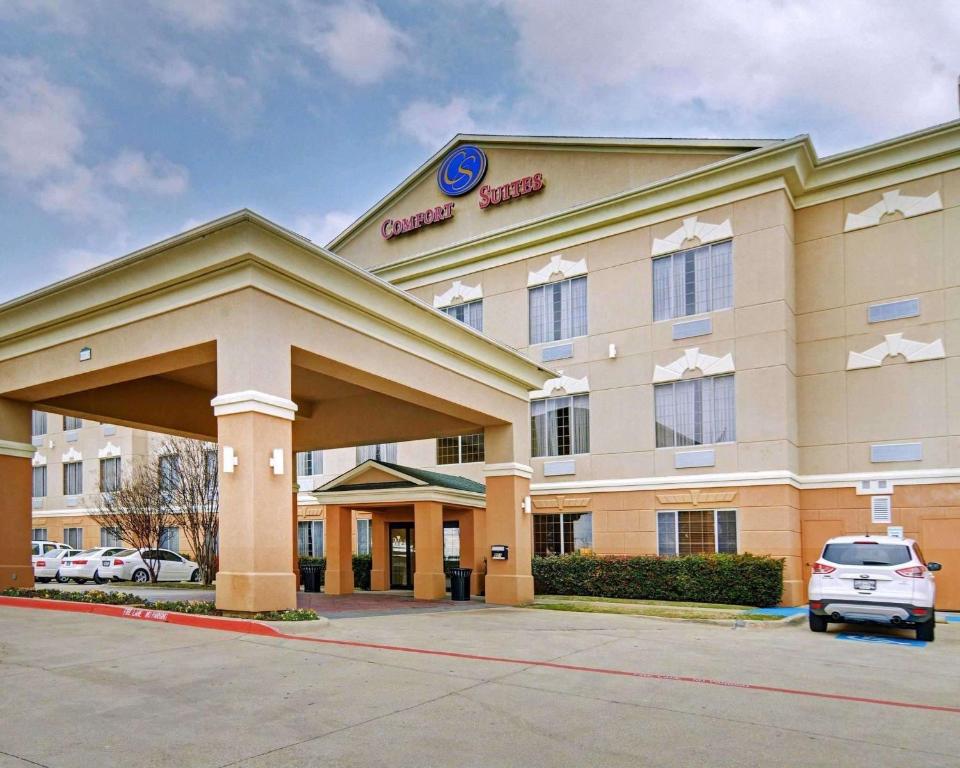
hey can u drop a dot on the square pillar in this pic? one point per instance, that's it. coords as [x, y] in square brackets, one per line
[16, 490]
[338, 522]
[380, 554]
[429, 582]
[510, 581]
[295, 563]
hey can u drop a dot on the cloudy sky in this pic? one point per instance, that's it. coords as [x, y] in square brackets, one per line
[123, 122]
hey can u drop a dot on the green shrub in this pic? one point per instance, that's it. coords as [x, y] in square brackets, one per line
[732, 579]
[298, 614]
[201, 607]
[90, 596]
[362, 564]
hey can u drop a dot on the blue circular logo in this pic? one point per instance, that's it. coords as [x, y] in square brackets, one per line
[461, 170]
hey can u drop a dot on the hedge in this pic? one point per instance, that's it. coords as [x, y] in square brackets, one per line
[732, 579]
[362, 564]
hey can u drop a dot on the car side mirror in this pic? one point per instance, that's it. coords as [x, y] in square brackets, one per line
[934, 566]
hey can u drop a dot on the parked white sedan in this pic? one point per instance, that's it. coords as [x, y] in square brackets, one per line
[47, 567]
[129, 565]
[86, 565]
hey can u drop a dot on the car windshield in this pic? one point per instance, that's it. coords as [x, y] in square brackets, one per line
[867, 553]
[126, 553]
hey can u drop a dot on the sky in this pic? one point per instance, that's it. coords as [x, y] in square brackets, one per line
[126, 121]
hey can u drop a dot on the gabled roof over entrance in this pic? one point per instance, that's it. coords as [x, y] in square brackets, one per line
[382, 482]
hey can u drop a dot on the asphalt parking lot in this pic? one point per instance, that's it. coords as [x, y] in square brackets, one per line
[80, 690]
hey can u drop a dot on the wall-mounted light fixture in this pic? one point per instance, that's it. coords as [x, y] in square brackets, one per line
[85, 354]
[527, 506]
[612, 351]
[230, 459]
[276, 461]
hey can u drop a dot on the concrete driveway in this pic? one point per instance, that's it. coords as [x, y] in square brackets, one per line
[80, 690]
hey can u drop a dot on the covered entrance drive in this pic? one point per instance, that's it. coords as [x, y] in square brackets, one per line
[422, 523]
[243, 333]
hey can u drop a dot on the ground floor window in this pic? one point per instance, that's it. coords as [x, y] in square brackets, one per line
[170, 539]
[73, 537]
[460, 450]
[363, 537]
[39, 534]
[310, 538]
[39, 482]
[562, 534]
[695, 532]
[110, 537]
[451, 544]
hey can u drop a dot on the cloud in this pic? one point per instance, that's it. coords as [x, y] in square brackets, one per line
[231, 96]
[133, 171]
[203, 15]
[321, 228]
[355, 39]
[433, 125]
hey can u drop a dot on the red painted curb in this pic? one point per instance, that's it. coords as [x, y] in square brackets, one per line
[249, 627]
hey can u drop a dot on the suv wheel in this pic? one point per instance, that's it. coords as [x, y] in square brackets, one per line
[925, 631]
[818, 623]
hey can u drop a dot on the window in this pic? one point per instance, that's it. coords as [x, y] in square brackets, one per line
[699, 531]
[39, 482]
[560, 426]
[460, 450]
[170, 539]
[109, 475]
[695, 412]
[39, 534]
[169, 467]
[558, 310]
[210, 477]
[72, 422]
[379, 452]
[73, 537]
[39, 422]
[469, 313]
[73, 478]
[110, 537]
[363, 537]
[562, 534]
[310, 538]
[451, 544]
[694, 281]
[309, 463]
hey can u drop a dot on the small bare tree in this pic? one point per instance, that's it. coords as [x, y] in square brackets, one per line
[194, 494]
[137, 511]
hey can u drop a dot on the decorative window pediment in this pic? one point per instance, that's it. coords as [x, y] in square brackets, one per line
[693, 360]
[697, 497]
[894, 344]
[71, 456]
[893, 202]
[39, 460]
[458, 293]
[558, 268]
[108, 451]
[562, 385]
[694, 232]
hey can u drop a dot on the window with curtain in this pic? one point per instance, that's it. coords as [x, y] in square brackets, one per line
[562, 534]
[695, 412]
[697, 532]
[73, 537]
[363, 537]
[39, 534]
[469, 313]
[110, 537]
[169, 467]
[463, 449]
[310, 538]
[73, 478]
[693, 281]
[72, 422]
[558, 310]
[170, 539]
[109, 475]
[39, 482]
[309, 463]
[380, 452]
[560, 426]
[39, 423]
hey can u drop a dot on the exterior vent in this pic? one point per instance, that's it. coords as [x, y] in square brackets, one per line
[559, 352]
[870, 487]
[896, 452]
[881, 510]
[691, 328]
[893, 310]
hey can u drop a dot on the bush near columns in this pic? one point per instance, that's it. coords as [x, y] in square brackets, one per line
[743, 579]
[362, 565]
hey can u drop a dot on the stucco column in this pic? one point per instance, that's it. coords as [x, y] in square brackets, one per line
[338, 522]
[295, 562]
[429, 582]
[468, 553]
[16, 488]
[507, 473]
[380, 554]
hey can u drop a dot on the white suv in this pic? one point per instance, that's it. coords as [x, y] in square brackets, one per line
[879, 579]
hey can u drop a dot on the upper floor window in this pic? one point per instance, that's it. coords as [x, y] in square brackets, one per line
[693, 281]
[110, 474]
[169, 467]
[73, 478]
[39, 422]
[697, 532]
[309, 463]
[72, 422]
[469, 313]
[460, 450]
[378, 452]
[560, 426]
[558, 310]
[695, 412]
[39, 482]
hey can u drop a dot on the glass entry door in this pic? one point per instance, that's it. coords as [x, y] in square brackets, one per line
[403, 559]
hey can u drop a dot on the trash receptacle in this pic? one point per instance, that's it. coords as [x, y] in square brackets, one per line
[310, 577]
[460, 584]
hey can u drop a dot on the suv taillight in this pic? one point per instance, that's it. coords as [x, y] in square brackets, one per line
[821, 568]
[913, 572]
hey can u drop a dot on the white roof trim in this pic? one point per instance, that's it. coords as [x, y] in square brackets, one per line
[458, 293]
[402, 496]
[250, 400]
[693, 360]
[894, 344]
[562, 385]
[363, 467]
[558, 268]
[694, 230]
[108, 451]
[891, 202]
[72, 455]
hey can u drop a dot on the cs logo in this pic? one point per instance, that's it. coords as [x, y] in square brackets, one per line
[461, 170]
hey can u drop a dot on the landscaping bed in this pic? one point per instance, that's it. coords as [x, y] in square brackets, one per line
[660, 609]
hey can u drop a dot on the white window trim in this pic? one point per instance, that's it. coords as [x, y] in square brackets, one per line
[555, 270]
[716, 528]
[458, 293]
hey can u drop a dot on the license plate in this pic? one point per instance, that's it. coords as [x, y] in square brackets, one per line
[865, 584]
[106, 563]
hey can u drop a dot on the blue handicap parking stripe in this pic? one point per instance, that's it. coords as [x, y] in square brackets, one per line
[788, 611]
[953, 619]
[880, 639]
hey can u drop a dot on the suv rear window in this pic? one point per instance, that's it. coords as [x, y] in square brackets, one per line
[856, 553]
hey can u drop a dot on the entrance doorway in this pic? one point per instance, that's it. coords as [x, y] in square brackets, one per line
[402, 556]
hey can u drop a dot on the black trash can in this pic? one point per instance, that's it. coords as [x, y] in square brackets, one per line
[311, 576]
[460, 584]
